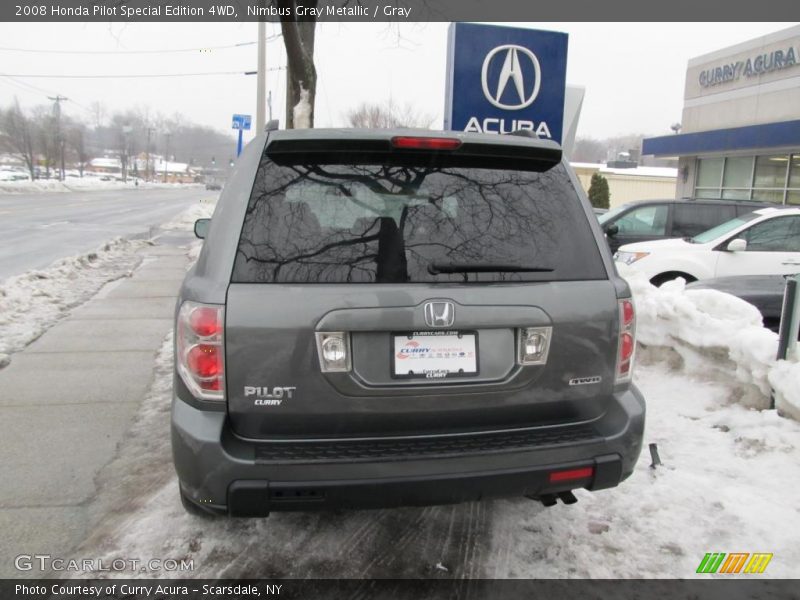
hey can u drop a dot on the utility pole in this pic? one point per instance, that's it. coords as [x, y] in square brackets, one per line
[262, 76]
[59, 138]
[126, 130]
[166, 157]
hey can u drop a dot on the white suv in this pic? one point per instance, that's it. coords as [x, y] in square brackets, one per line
[763, 242]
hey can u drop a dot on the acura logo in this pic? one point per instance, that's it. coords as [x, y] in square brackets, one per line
[512, 70]
[439, 314]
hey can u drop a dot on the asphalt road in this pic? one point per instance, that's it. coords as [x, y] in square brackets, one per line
[36, 229]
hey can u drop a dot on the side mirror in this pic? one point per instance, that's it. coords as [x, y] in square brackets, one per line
[612, 230]
[201, 228]
[737, 245]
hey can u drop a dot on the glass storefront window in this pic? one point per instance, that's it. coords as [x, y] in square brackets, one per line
[738, 172]
[774, 196]
[762, 178]
[771, 172]
[794, 174]
[709, 172]
[736, 194]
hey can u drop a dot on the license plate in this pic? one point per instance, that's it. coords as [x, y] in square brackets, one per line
[434, 354]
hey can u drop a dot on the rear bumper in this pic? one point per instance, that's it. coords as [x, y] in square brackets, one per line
[225, 474]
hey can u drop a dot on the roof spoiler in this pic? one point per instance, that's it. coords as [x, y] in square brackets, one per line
[379, 146]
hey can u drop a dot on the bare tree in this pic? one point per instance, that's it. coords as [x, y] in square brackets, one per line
[301, 74]
[98, 111]
[18, 132]
[45, 136]
[387, 115]
[76, 138]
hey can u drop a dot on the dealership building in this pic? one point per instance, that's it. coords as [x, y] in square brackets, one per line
[740, 129]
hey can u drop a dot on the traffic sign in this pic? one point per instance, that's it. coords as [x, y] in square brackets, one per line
[241, 122]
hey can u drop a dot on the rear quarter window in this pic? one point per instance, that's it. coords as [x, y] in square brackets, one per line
[349, 223]
[690, 219]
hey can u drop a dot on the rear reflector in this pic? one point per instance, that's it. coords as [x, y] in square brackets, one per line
[426, 143]
[571, 474]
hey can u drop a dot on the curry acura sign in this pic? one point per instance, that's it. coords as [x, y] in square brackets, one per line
[503, 79]
[750, 67]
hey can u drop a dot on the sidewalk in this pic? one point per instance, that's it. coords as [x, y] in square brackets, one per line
[67, 400]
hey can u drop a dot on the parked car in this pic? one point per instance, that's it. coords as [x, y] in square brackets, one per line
[647, 220]
[763, 242]
[213, 185]
[765, 292]
[379, 318]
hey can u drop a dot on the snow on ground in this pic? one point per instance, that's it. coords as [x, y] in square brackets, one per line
[34, 301]
[82, 184]
[722, 488]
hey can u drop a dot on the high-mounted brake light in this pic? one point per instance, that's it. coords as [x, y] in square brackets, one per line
[199, 349]
[425, 143]
[626, 345]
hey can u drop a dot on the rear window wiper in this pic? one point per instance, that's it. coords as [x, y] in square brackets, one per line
[435, 268]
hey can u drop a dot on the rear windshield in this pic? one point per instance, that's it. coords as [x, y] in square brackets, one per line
[337, 223]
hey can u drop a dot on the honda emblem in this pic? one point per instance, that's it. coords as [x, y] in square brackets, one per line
[439, 314]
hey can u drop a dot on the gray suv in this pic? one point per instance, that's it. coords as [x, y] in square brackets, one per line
[383, 318]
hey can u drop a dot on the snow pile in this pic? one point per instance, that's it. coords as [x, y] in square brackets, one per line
[715, 334]
[302, 111]
[185, 220]
[32, 302]
[785, 380]
[77, 184]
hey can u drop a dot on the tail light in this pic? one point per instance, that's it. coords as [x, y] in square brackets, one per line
[626, 347]
[200, 350]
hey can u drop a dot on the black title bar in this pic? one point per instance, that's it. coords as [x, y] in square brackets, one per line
[394, 10]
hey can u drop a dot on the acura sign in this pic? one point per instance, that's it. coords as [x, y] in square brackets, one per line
[503, 79]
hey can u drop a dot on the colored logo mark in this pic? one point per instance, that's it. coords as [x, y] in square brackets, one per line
[734, 562]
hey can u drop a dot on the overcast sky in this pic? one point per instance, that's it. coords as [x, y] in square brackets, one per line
[633, 72]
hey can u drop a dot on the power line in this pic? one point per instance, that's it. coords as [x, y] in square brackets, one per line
[161, 51]
[129, 76]
[158, 51]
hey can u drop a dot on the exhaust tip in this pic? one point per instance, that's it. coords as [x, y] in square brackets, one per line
[567, 497]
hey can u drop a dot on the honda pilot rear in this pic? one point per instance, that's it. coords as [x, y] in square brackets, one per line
[385, 318]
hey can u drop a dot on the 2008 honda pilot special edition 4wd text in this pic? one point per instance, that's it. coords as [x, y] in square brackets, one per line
[399, 317]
